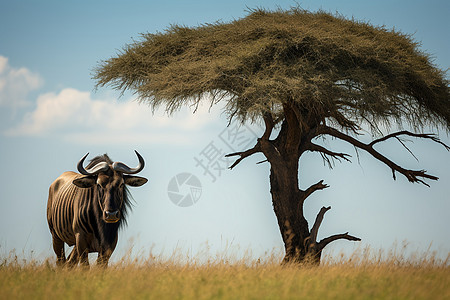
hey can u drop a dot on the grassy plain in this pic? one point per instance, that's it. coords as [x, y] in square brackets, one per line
[362, 275]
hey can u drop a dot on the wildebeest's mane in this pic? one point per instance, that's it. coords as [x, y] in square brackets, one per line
[99, 159]
[127, 198]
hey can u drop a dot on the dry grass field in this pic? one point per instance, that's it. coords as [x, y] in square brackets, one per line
[363, 275]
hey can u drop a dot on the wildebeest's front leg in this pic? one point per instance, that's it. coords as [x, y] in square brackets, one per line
[105, 253]
[82, 248]
[103, 258]
[58, 247]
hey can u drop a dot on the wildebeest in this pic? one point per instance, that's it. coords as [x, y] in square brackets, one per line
[86, 210]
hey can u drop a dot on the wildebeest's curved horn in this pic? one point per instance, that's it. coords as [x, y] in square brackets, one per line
[100, 167]
[123, 168]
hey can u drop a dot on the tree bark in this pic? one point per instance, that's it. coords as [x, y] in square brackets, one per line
[288, 208]
[300, 243]
[283, 154]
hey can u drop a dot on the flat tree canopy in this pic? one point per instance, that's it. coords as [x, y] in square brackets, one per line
[310, 75]
[342, 71]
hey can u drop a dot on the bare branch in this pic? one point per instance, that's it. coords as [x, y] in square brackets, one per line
[406, 147]
[319, 219]
[430, 136]
[317, 148]
[315, 187]
[411, 175]
[323, 243]
[244, 154]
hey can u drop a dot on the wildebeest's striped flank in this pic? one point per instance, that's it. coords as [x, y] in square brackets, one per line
[86, 210]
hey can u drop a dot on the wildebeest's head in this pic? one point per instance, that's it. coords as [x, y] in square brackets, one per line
[108, 180]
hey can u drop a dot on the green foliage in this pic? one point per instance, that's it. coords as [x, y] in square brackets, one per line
[336, 70]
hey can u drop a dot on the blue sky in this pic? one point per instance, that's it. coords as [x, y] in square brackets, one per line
[50, 116]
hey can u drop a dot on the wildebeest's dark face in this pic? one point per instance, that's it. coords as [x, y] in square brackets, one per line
[108, 182]
[110, 191]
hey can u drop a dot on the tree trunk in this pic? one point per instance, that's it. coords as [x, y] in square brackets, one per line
[287, 200]
[283, 154]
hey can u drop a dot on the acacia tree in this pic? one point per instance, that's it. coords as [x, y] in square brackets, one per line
[304, 76]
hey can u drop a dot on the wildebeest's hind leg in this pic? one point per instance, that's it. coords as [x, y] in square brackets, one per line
[58, 247]
[72, 259]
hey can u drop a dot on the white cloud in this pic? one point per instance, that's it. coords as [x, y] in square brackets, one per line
[15, 84]
[74, 116]
[3, 63]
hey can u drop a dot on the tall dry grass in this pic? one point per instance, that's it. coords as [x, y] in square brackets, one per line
[365, 274]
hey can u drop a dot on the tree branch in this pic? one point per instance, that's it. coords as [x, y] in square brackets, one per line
[344, 122]
[323, 243]
[244, 154]
[319, 219]
[268, 121]
[411, 175]
[231, 116]
[315, 187]
[298, 115]
[317, 247]
[317, 148]
[430, 136]
[406, 147]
